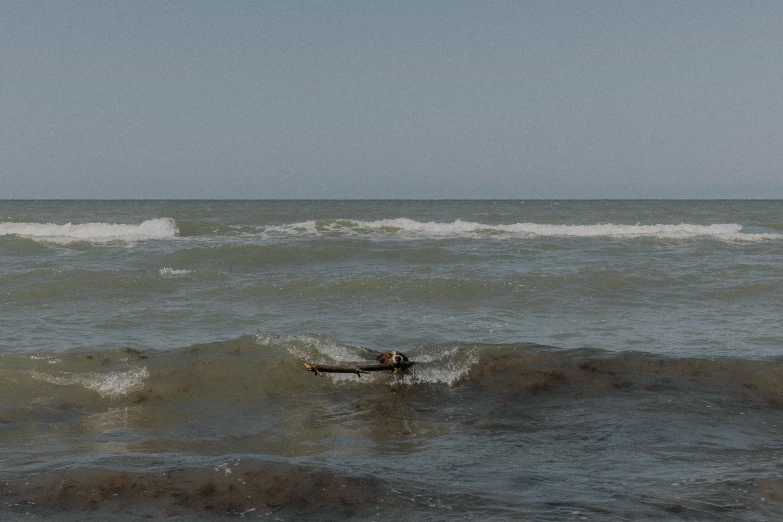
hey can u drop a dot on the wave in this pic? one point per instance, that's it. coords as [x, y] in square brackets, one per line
[110, 385]
[239, 428]
[406, 227]
[161, 228]
[399, 228]
[272, 365]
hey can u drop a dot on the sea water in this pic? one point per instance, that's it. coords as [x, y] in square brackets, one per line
[575, 360]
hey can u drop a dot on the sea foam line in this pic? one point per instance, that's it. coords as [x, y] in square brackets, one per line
[161, 228]
[406, 227]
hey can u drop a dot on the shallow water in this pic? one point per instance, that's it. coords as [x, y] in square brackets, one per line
[575, 360]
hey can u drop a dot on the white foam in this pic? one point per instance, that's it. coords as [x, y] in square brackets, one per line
[320, 350]
[446, 365]
[409, 228]
[161, 228]
[170, 272]
[108, 385]
[442, 366]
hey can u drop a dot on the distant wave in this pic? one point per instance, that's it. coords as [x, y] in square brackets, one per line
[171, 272]
[467, 229]
[161, 228]
[401, 228]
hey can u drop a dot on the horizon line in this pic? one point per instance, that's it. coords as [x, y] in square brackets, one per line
[387, 199]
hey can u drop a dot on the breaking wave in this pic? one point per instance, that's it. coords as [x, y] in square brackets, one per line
[466, 229]
[273, 365]
[399, 228]
[112, 385]
[161, 228]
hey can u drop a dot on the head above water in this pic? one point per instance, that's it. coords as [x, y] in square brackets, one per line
[391, 357]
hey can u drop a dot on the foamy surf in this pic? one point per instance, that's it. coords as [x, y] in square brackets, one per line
[161, 228]
[440, 365]
[409, 228]
[310, 348]
[111, 385]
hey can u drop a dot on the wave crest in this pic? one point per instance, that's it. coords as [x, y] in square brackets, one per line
[411, 228]
[246, 369]
[111, 385]
[160, 228]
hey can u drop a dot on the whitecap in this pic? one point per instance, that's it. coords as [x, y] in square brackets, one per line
[170, 272]
[161, 228]
[408, 228]
[108, 385]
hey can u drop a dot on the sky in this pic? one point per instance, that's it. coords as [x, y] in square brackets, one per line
[391, 99]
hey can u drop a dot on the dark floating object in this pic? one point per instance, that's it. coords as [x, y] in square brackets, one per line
[389, 361]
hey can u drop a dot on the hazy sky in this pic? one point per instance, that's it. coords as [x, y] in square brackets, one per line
[392, 99]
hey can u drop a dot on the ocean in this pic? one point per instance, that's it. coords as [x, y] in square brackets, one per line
[575, 360]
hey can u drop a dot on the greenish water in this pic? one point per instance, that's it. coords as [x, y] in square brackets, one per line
[574, 358]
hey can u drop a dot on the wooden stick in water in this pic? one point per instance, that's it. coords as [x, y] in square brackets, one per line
[318, 369]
